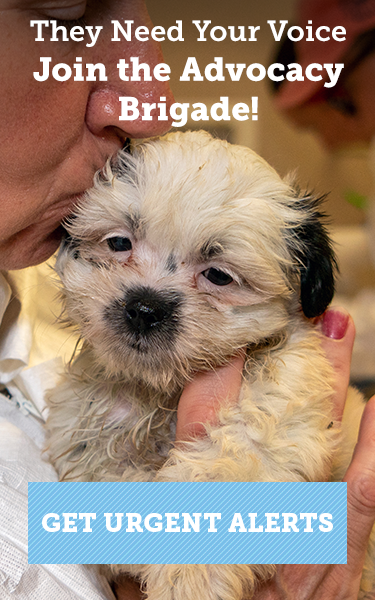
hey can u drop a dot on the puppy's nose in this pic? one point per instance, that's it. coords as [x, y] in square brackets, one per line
[146, 310]
[142, 316]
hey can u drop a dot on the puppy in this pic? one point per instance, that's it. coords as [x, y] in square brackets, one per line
[182, 254]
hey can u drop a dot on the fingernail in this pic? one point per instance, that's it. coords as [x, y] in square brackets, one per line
[335, 323]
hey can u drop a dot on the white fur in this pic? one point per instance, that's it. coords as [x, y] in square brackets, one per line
[113, 416]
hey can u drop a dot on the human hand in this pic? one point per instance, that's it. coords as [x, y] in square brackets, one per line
[338, 331]
[329, 582]
[202, 397]
[338, 582]
[199, 404]
[335, 582]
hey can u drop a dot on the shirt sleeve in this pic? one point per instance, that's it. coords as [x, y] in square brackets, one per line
[22, 461]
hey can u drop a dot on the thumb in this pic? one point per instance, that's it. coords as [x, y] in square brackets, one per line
[338, 331]
[360, 478]
[204, 395]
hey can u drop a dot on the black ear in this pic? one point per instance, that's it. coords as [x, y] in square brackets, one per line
[312, 249]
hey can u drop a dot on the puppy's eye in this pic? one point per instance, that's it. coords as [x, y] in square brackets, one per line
[217, 277]
[119, 244]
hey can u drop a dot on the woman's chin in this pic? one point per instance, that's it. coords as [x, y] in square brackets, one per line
[23, 250]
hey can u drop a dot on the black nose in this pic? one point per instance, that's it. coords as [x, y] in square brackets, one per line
[142, 315]
[147, 310]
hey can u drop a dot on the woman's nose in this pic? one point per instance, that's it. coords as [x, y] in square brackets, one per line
[131, 82]
[130, 112]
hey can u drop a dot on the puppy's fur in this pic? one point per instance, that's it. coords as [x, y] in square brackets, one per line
[185, 252]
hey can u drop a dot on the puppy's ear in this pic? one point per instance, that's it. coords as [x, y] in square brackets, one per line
[312, 249]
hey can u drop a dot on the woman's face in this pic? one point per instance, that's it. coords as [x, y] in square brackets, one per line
[54, 135]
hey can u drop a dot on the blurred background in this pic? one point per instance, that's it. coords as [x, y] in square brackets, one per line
[344, 174]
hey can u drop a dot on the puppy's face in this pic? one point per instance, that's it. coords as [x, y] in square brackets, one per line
[190, 251]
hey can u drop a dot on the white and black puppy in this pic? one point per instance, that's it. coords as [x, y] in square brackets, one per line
[185, 252]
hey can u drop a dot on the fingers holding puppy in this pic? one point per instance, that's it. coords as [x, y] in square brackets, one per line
[335, 582]
[202, 397]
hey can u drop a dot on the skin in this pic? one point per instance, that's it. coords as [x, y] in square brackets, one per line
[49, 153]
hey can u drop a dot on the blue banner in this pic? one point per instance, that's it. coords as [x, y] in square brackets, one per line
[182, 523]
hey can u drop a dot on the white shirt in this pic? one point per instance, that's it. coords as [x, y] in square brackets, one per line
[26, 338]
